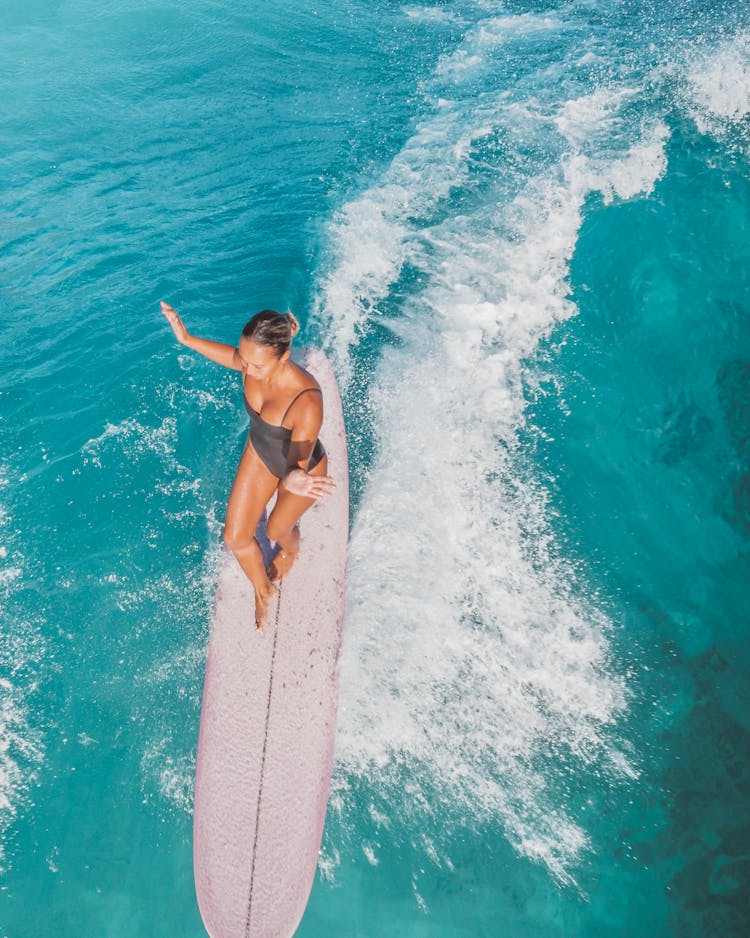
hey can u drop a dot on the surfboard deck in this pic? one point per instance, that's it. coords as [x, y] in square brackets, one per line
[268, 719]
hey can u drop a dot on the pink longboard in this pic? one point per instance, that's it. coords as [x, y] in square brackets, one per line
[268, 719]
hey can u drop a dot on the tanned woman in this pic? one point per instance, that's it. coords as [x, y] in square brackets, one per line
[282, 454]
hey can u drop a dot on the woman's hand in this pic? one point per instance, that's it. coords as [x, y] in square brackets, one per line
[299, 482]
[181, 333]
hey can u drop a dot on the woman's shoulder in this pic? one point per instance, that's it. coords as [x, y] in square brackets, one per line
[303, 405]
[303, 380]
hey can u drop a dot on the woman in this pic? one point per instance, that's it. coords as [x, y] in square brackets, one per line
[282, 453]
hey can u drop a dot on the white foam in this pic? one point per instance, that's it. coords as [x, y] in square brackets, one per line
[175, 678]
[590, 115]
[719, 84]
[172, 772]
[135, 439]
[489, 35]
[367, 238]
[431, 14]
[168, 761]
[634, 173]
[470, 666]
[500, 28]
[21, 743]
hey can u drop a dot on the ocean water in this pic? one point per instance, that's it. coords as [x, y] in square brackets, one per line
[520, 230]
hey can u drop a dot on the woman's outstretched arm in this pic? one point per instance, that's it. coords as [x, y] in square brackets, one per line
[220, 352]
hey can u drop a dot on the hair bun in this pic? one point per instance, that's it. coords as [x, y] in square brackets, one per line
[293, 324]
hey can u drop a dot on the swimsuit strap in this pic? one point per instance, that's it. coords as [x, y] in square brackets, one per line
[291, 404]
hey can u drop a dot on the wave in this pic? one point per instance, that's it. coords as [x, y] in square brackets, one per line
[474, 664]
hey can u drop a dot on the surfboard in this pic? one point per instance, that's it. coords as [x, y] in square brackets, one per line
[268, 716]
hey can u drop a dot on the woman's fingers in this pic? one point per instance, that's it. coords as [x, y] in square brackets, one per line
[300, 482]
[322, 486]
[175, 322]
[170, 313]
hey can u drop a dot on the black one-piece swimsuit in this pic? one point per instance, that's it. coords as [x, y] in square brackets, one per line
[272, 442]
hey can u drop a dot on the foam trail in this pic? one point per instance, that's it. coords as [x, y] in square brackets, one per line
[21, 744]
[369, 235]
[469, 661]
[717, 83]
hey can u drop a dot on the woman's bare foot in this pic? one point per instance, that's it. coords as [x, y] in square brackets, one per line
[263, 597]
[284, 559]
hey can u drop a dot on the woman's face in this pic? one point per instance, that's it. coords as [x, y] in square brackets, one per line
[259, 362]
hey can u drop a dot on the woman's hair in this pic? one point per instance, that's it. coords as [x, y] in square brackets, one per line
[271, 328]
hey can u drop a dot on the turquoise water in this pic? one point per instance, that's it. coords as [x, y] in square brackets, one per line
[521, 232]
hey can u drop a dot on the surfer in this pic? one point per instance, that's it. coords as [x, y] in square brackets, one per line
[282, 454]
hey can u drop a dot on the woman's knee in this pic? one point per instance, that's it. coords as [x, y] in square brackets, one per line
[236, 540]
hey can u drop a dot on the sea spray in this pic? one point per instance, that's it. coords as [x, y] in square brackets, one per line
[470, 666]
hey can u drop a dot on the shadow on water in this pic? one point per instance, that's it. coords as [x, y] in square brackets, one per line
[733, 392]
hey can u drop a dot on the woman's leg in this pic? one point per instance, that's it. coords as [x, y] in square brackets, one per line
[253, 486]
[282, 524]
